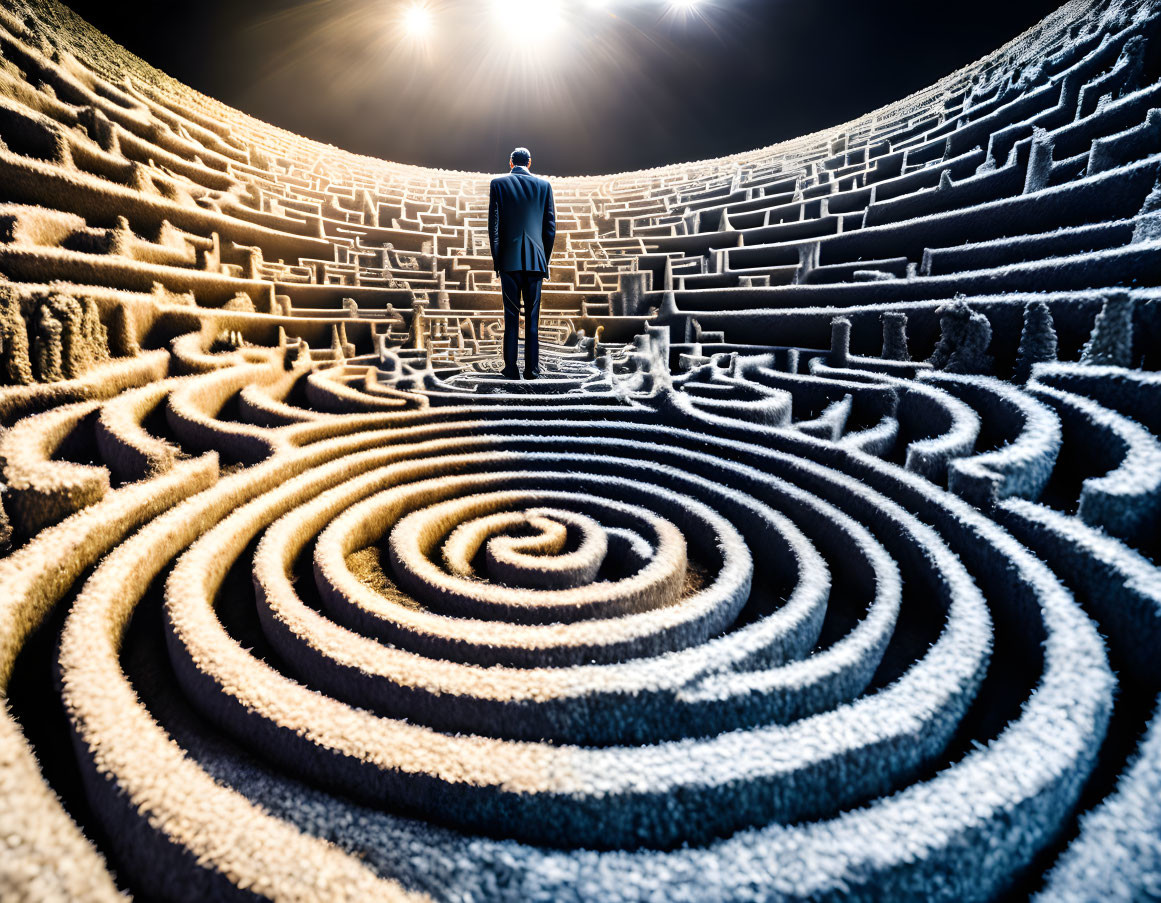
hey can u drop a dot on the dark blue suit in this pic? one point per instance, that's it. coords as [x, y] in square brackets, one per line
[521, 229]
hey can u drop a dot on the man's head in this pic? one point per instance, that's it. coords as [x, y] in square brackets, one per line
[522, 156]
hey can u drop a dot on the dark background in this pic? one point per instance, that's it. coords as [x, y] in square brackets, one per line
[630, 87]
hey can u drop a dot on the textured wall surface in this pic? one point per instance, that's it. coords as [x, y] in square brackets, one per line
[818, 565]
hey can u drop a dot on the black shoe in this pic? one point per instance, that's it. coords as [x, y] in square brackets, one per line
[531, 374]
[510, 374]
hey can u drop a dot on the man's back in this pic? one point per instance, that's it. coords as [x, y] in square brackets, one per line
[521, 222]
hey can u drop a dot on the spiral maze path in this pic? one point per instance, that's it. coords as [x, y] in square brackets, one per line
[821, 564]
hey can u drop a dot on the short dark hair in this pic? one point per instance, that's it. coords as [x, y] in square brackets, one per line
[522, 156]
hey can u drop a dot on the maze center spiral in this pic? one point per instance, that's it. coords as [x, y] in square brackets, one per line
[637, 648]
[820, 563]
[416, 537]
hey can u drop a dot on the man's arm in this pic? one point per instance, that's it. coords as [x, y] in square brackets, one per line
[494, 224]
[548, 234]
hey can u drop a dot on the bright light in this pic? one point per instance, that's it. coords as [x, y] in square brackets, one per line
[528, 22]
[418, 21]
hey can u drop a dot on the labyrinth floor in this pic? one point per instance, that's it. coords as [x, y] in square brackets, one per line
[821, 563]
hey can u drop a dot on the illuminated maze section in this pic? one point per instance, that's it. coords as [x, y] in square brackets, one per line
[821, 563]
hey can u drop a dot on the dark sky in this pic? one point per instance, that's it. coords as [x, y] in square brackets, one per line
[632, 86]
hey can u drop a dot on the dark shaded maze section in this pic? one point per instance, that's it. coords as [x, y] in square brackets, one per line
[737, 75]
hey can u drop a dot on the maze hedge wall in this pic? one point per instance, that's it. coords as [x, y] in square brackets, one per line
[820, 564]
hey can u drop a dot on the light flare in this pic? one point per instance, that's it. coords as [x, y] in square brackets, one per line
[418, 21]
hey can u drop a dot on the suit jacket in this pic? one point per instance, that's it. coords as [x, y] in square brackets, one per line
[521, 221]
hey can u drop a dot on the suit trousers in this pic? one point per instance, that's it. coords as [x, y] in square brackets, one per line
[516, 284]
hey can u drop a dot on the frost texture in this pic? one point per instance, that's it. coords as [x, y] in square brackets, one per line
[773, 586]
[1037, 340]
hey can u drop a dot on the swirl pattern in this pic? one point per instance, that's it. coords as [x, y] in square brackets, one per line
[302, 601]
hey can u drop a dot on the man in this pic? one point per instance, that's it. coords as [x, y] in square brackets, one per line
[522, 229]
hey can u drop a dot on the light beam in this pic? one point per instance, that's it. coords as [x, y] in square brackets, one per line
[418, 21]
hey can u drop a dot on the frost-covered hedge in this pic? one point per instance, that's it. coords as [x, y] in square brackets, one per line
[1026, 435]
[1124, 493]
[691, 616]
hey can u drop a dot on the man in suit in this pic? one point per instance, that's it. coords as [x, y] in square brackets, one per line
[522, 229]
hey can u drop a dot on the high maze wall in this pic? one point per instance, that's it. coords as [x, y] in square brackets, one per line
[820, 565]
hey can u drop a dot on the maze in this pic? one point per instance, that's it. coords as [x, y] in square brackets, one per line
[821, 564]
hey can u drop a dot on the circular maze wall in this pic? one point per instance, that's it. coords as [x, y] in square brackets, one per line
[820, 564]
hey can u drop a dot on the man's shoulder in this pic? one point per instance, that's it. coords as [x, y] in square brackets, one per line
[541, 183]
[508, 178]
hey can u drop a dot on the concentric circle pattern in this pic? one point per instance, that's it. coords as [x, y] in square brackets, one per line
[820, 563]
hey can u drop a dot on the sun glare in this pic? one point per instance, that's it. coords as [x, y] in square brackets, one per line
[530, 22]
[418, 21]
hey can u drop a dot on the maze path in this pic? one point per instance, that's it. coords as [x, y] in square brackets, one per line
[821, 564]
